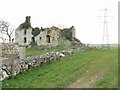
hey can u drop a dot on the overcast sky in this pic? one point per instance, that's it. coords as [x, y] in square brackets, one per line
[83, 14]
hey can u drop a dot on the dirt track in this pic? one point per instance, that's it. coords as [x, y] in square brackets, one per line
[87, 83]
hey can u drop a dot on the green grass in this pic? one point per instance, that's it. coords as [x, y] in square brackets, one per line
[65, 71]
[36, 50]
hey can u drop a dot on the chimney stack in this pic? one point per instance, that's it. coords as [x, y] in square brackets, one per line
[27, 19]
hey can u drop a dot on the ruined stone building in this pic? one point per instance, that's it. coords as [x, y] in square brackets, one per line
[25, 34]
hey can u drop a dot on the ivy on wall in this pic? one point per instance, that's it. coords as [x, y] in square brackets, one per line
[25, 25]
[67, 33]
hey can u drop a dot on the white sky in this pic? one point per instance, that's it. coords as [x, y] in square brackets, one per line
[83, 14]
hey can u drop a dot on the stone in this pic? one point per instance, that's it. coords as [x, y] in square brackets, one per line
[61, 55]
[24, 64]
[22, 53]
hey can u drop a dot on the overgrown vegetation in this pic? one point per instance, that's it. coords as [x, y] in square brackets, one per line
[61, 73]
[36, 31]
[25, 25]
[37, 50]
[67, 33]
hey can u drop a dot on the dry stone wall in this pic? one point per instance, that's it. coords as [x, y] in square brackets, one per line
[21, 65]
[9, 49]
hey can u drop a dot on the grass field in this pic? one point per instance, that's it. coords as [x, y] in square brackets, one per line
[35, 50]
[67, 70]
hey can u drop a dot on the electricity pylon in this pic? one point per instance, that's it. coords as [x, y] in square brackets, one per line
[105, 37]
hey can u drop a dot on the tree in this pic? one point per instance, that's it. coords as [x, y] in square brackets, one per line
[36, 31]
[5, 29]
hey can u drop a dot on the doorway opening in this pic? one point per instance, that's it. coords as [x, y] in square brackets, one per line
[48, 38]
